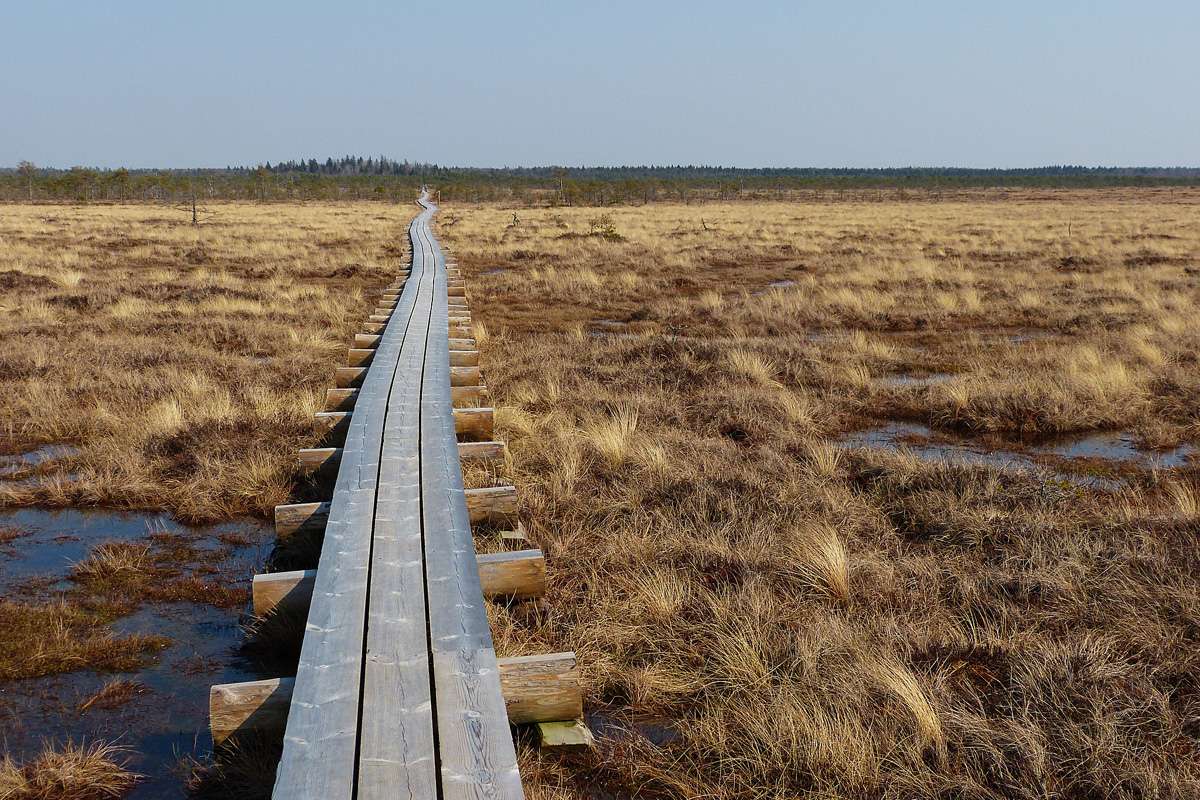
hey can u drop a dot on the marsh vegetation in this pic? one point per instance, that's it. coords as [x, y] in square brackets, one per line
[841, 499]
[153, 373]
[766, 601]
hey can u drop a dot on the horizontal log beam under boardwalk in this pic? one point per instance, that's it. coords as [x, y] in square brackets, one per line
[311, 458]
[481, 452]
[373, 327]
[464, 358]
[349, 377]
[295, 518]
[340, 399]
[359, 356]
[519, 574]
[468, 395]
[535, 688]
[379, 317]
[475, 423]
[465, 376]
[366, 340]
[461, 343]
[333, 423]
[496, 504]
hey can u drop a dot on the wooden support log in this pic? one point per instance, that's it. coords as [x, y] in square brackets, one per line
[490, 504]
[383, 311]
[349, 377]
[476, 452]
[464, 395]
[456, 291]
[496, 504]
[314, 458]
[535, 688]
[472, 423]
[520, 574]
[377, 317]
[464, 376]
[373, 327]
[475, 423]
[296, 518]
[334, 423]
[366, 340]
[462, 344]
[464, 358]
[340, 399]
[359, 356]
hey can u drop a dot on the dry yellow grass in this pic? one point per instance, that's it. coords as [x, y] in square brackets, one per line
[184, 363]
[72, 772]
[766, 614]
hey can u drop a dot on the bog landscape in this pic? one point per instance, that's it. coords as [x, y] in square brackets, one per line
[853, 493]
[599, 401]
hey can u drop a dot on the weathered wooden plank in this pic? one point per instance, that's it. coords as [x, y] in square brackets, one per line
[475, 749]
[321, 742]
[397, 750]
[537, 688]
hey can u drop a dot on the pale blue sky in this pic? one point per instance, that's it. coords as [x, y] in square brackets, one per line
[139, 83]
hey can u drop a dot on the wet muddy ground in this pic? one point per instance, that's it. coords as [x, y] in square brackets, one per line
[161, 715]
[1097, 460]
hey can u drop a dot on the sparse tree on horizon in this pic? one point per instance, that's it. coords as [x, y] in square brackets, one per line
[27, 170]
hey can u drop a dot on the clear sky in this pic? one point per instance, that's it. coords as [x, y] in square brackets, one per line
[745, 83]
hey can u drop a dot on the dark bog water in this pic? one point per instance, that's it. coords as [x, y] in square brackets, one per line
[167, 719]
[916, 379]
[1094, 459]
[1118, 446]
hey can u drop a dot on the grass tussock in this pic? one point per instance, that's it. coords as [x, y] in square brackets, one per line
[64, 636]
[768, 614]
[93, 771]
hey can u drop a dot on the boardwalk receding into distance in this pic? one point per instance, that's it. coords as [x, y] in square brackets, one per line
[398, 691]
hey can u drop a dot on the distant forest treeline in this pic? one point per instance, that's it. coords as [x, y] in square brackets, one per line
[382, 178]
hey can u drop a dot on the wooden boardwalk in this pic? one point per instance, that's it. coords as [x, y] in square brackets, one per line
[399, 692]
